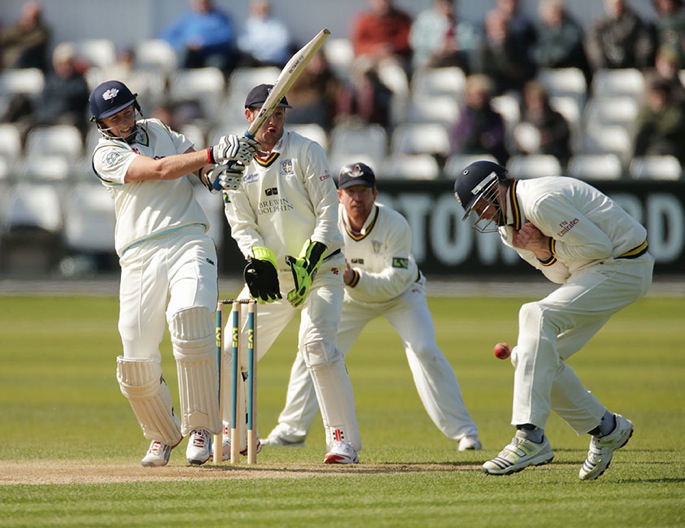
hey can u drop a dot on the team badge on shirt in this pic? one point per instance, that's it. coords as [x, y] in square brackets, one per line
[287, 167]
[376, 246]
[111, 159]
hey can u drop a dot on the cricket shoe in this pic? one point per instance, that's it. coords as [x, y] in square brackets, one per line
[226, 448]
[341, 453]
[469, 443]
[157, 454]
[602, 448]
[199, 447]
[275, 439]
[518, 455]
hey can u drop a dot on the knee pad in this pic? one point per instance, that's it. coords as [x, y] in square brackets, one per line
[140, 381]
[193, 341]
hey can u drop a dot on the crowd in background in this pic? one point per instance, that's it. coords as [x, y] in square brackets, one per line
[501, 57]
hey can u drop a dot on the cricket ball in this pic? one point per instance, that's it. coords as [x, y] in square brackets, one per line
[502, 350]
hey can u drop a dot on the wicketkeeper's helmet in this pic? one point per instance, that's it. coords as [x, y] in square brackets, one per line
[477, 190]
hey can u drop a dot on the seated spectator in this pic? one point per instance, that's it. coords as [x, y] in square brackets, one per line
[560, 39]
[519, 24]
[314, 95]
[503, 56]
[670, 27]
[204, 37]
[542, 130]
[64, 99]
[382, 34]
[265, 40]
[621, 40]
[666, 69]
[24, 44]
[660, 123]
[438, 38]
[479, 128]
[367, 100]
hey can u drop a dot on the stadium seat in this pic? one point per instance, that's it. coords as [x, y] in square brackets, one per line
[655, 167]
[533, 166]
[312, 131]
[44, 168]
[456, 162]
[349, 143]
[89, 219]
[509, 107]
[409, 167]
[420, 138]
[29, 81]
[613, 83]
[98, 52]
[57, 140]
[607, 139]
[618, 110]
[564, 82]
[340, 55]
[595, 167]
[439, 81]
[204, 85]
[10, 143]
[443, 109]
[156, 55]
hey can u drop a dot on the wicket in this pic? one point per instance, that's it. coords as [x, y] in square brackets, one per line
[237, 375]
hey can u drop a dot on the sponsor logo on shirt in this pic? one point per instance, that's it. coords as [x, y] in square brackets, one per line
[325, 176]
[278, 205]
[400, 262]
[357, 261]
[567, 226]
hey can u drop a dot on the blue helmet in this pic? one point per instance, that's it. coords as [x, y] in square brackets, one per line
[109, 98]
[477, 186]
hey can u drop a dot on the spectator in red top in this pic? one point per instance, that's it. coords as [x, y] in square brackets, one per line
[382, 33]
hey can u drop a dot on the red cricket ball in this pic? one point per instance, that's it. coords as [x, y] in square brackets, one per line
[502, 350]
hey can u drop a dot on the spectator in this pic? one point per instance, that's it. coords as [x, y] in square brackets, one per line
[666, 69]
[620, 40]
[542, 130]
[670, 27]
[479, 129]
[438, 38]
[382, 34]
[204, 37]
[24, 44]
[265, 40]
[560, 39]
[660, 123]
[367, 100]
[315, 94]
[503, 56]
[519, 24]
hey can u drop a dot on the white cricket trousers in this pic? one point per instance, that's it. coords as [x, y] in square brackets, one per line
[558, 326]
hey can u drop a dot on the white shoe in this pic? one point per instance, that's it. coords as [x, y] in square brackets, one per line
[199, 447]
[341, 453]
[157, 454]
[226, 448]
[518, 455]
[274, 439]
[602, 449]
[469, 443]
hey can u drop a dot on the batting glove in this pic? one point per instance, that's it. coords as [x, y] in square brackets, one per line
[234, 148]
[225, 177]
[261, 275]
[304, 270]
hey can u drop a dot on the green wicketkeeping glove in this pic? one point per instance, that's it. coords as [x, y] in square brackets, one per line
[304, 270]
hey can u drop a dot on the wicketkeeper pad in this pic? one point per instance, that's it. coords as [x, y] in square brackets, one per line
[140, 381]
[193, 341]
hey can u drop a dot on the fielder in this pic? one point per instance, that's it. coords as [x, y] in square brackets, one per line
[579, 238]
[382, 279]
[284, 219]
[168, 267]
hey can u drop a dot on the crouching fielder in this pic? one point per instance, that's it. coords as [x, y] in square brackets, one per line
[168, 268]
[579, 238]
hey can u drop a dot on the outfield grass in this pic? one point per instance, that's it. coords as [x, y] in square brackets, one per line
[62, 414]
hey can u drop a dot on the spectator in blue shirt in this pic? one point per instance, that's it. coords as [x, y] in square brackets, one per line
[265, 40]
[204, 37]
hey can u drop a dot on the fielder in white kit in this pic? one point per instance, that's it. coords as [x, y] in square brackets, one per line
[168, 267]
[383, 280]
[285, 221]
[578, 238]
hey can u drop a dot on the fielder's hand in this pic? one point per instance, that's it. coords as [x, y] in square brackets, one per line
[304, 270]
[234, 148]
[225, 177]
[261, 275]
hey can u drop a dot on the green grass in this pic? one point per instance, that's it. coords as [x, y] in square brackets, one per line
[61, 409]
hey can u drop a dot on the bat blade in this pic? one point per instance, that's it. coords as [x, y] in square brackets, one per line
[289, 74]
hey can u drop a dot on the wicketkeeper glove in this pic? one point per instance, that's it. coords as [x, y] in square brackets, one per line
[233, 148]
[304, 270]
[261, 275]
[225, 177]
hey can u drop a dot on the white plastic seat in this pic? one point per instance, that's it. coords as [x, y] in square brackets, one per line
[409, 167]
[34, 205]
[340, 55]
[655, 167]
[613, 139]
[46, 167]
[89, 218]
[60, 140]
[420, 138]
[619, 110]
[10, 143]
[98, 52]
[533, 166]
[205, 85]
[457, 162]
[195, 134]
[565, 82]
[612, 83]
[595, 167]
[30, 81]
[509, 107]
[439, 81]
[156, 55]
[312, 131]
[352, 143]
[442, 109]
[242, 80]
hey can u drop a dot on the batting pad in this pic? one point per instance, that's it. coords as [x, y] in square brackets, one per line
[140, 381]
[193, 341]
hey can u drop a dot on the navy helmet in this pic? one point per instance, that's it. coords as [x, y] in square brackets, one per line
[109, 98]
[478, 184]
